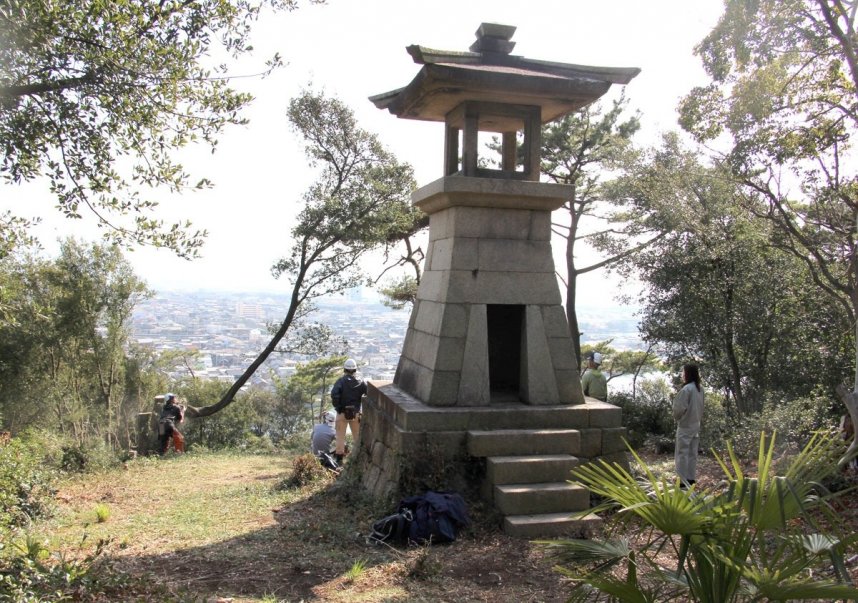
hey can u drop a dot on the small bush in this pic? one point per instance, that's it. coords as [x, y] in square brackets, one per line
[258, 445]
[356, 570]
[102, 513]
[31, 574]
[647, 415]
[26, 491]
[795, 422]
[306, 469]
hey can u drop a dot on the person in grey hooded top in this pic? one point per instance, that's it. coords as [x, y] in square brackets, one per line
[688, 412]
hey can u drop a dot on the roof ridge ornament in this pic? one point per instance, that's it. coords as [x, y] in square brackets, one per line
[494, 39]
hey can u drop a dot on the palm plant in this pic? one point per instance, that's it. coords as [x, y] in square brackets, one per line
[751, 539]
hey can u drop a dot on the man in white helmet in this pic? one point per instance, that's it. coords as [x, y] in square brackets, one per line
[322, 438]
[172, 414]
[346, 396]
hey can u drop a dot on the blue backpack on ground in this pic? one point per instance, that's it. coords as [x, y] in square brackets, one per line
[432, 517]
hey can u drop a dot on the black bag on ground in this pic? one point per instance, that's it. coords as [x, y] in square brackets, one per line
[438, 516]
[392, 529]
[432, 517]
[328, 461]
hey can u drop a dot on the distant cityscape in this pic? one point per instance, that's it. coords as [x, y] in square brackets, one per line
[224, 332]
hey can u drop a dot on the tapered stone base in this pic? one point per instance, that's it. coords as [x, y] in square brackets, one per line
[488, 324]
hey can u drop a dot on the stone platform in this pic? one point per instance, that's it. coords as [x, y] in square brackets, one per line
[515, 455]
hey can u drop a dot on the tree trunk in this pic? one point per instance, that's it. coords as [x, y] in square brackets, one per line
[228, 397]
[571, 287]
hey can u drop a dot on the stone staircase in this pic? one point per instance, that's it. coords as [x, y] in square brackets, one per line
[526, 479]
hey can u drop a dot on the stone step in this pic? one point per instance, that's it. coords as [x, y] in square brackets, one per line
[548, 525]
[519, 442]
[537, 499]
[529, 469]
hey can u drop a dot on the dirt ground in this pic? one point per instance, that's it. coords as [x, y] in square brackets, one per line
[309, 544]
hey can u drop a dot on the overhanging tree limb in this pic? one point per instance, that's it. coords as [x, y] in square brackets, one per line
[360, 202]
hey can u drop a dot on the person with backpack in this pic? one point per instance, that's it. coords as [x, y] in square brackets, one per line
[171, 415]
[346, 396]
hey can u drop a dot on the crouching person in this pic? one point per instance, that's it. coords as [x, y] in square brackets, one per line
[322, 439]
[346, 396]
[171, 415]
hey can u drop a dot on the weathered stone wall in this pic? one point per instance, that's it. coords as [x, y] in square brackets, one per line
[405, 443]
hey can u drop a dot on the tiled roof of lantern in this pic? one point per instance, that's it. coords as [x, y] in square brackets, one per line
[489, 72]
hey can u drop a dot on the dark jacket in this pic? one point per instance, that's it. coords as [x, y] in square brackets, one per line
[347, 391]
[172, 412]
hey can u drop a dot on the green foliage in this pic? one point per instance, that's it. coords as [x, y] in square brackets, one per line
[783, 95]
[91, 455]
[230, 428]
[796, 420]
[399, 293]
[647, 417]
[578, 150]
[302, 398]
[360, 202]
[96, 97]
[357, 569]
[26, 490]
[616, 363]
[719, 291]
[33, 574]
[756, 539]
[64, 344]
[102, 513]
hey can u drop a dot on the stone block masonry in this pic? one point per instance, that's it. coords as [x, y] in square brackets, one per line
[406, 445]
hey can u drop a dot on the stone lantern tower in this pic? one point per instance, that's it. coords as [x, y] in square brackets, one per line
[487, 358]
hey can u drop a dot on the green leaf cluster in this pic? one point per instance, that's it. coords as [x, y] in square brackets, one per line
[759, 537]
[96, 97]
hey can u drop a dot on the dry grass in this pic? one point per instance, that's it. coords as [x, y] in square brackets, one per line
[221, 527]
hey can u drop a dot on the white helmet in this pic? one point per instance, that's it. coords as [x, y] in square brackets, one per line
[168, 397]
[329, 418]
[350, 365]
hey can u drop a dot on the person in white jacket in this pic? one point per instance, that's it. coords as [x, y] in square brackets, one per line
[688, 412]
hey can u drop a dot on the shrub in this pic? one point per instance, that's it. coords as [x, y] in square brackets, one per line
[102, 513]
[796, 420]
[26, 491]
[306, 469]
[647, 415]
[31, 574]
[716, 426]
[254, 444]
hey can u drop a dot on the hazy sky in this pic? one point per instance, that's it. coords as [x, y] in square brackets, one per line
[354, 49]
